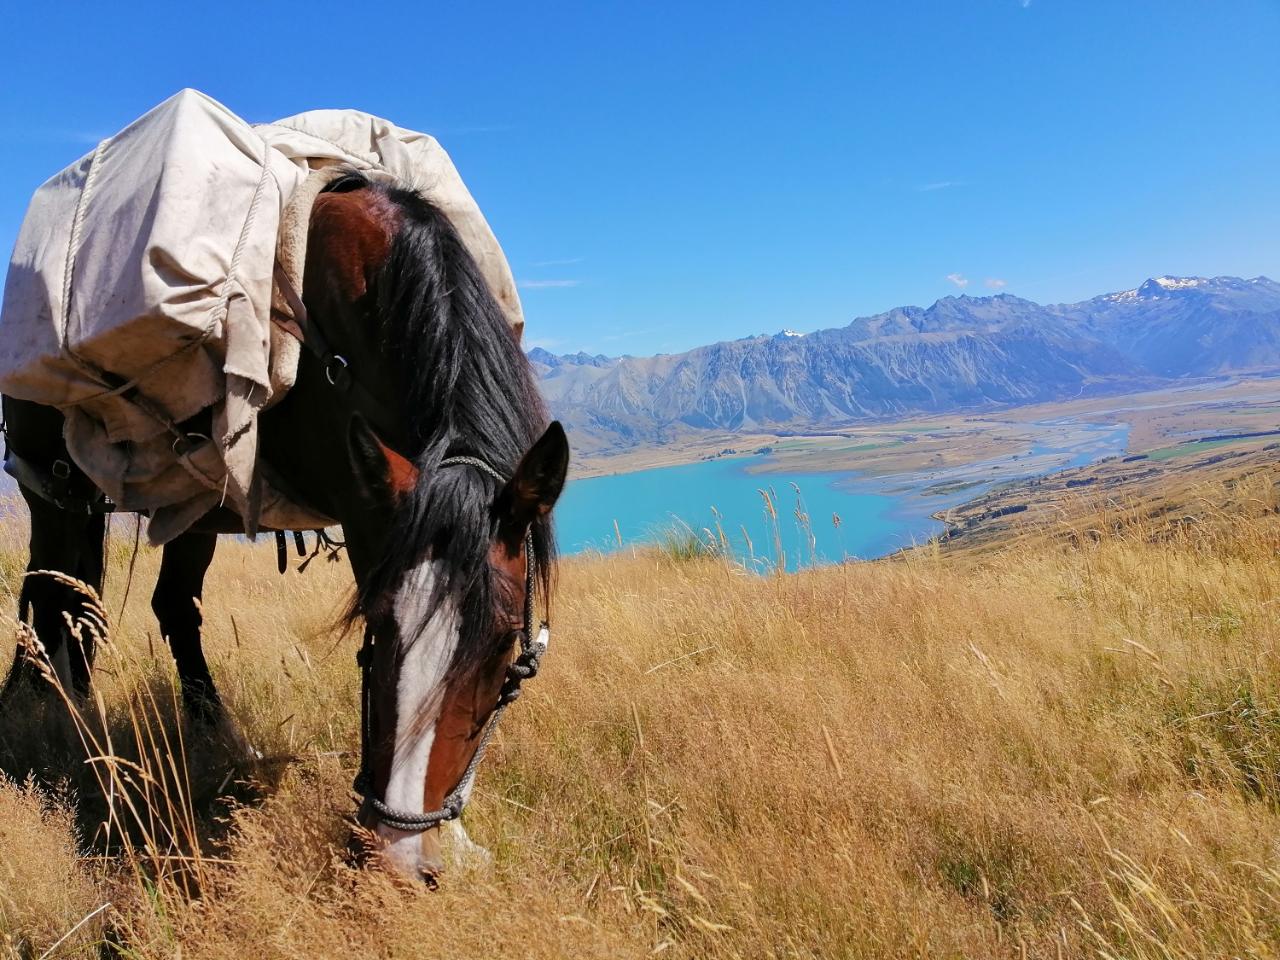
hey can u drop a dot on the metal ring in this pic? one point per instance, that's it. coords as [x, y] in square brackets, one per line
[187, 442]
[61, 469]
[328, 368]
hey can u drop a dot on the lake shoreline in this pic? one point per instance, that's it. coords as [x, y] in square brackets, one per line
[828, 516]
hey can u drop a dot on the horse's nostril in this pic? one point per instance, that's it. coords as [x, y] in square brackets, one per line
[430, 878]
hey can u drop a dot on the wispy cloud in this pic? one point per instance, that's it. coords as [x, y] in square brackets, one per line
[546, 284]
[960, 280]
[937, 185]
[1024, 3]
[995, 283]
[567, 262]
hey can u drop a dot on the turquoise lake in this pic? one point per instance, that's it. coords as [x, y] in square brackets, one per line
[876, 517]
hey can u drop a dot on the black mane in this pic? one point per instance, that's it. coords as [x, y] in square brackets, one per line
[467, 389]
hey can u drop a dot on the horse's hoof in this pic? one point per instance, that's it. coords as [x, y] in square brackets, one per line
[237, 743]
[214, 722]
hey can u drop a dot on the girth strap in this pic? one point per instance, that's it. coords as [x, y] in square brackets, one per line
[55, 484]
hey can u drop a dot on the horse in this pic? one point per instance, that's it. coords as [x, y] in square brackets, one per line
[415, 421]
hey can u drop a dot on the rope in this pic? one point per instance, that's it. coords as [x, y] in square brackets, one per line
[462, 461]
[452, 806]
[133, 560]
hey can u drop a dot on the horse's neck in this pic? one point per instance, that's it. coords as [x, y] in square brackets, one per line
[303, 440]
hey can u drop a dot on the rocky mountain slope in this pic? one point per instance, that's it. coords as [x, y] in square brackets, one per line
[961, 353]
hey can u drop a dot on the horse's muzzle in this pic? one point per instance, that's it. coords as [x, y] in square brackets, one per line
[417, 857]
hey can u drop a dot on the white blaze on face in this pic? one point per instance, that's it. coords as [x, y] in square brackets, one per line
[424, 659]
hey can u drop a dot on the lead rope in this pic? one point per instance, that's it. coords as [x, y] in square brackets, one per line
[525, 666]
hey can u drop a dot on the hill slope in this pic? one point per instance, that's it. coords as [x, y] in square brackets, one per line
[1052, 752]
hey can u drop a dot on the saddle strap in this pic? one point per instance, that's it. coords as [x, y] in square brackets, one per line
[337, 371]
[54, 484]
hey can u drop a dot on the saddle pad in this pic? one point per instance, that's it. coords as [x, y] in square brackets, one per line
[140, 289]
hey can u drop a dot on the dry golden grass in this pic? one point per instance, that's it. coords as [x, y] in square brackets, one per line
[1045, 751]
[45, 888]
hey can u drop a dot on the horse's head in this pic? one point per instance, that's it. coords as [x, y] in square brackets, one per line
[446, 507]
[444, 634]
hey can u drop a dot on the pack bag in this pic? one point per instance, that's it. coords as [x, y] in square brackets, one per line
[140, 292]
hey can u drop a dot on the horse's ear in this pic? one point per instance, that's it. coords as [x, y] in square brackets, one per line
[536, 485]
[381, 473]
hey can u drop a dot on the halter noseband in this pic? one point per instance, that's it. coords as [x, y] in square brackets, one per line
[525, 665]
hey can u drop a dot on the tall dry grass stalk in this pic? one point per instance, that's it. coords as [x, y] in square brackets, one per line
[1067, 748]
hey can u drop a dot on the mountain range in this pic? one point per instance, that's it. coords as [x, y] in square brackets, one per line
[962, 353]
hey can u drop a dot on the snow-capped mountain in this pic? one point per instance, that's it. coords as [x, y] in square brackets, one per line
[1189, 326]
[961, 353]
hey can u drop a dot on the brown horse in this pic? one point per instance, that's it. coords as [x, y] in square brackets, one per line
[415, 421]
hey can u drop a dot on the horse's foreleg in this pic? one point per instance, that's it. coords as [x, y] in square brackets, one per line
[72, 544]
[176, 602]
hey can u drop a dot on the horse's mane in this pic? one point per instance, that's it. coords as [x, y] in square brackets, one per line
[468, 389]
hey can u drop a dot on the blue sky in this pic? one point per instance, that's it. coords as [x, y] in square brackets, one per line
[667, 175]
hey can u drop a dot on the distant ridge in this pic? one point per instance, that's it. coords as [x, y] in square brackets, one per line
[961, 353]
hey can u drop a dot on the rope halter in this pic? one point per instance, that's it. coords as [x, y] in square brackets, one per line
[525, 665]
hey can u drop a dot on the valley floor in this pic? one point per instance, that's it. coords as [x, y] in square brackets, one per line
[1065, 746]
[1156, 419]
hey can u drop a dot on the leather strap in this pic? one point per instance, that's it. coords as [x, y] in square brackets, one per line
[337, 371]
[54, 484]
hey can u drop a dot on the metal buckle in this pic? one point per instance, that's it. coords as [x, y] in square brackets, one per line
[61, 470]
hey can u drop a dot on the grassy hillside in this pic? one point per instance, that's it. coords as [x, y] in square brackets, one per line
[1187, 484]
[1067, 747]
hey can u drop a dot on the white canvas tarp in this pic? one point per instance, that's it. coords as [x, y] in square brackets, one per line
[140, 289]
